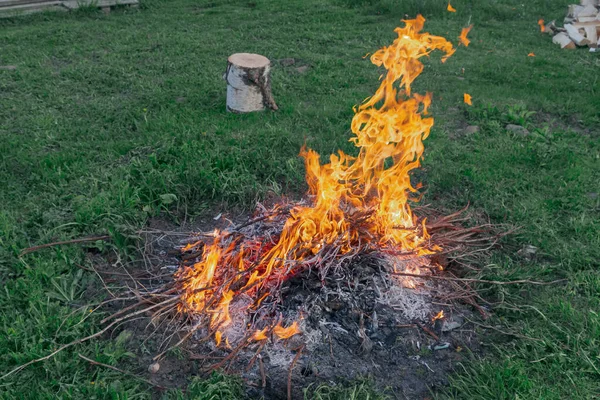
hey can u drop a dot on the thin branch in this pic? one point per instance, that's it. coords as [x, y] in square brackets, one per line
[81, 240]
[471, 280]
[289, 377]
[149, 382]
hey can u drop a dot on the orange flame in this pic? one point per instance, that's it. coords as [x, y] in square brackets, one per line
[260, 335]
[373, 185]
[285, 333]
[531, 54]
[450, 8]
[541, 24]
[463, 35]
[439, 315]
[467, 99]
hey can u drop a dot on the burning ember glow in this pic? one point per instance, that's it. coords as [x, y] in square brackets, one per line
[358, 204]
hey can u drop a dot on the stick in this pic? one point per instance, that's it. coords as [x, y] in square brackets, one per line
[262, 372]
[123, 372]
[445, 278]
[73, 343]
[504, 332]
[289, 380]
[429, 331]
[82, 240]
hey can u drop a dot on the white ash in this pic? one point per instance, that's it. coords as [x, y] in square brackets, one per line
[312, 337]
[237, 329]
[410, 302]
[278, 355]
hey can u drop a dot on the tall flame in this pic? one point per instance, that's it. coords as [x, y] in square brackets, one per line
[373, 186]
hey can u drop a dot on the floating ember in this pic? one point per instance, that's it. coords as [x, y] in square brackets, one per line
[357, 205]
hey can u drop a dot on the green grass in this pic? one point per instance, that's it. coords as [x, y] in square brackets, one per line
[110, 120]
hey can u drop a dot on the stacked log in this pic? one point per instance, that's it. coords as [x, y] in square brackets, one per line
[581, 26]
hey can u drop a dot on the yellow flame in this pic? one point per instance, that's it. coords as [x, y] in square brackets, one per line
[463, 35]
[541, 24]
[467, 99]
[375, 184]
[285, 333]
[439, 315]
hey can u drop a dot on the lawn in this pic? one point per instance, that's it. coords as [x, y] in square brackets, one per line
[110, 120]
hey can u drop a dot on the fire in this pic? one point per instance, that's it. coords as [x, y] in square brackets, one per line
[450, 8]
[467, 99]
[463, 35]
[285, 333]
[531, 54]
[439, 315]
[373, 187]
[541, 24]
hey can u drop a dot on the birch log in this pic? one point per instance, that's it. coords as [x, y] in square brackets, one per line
[249, 83]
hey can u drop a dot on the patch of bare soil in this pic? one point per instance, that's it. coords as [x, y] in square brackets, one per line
[355, 324]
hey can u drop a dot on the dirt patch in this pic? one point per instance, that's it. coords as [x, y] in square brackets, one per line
[354, 325]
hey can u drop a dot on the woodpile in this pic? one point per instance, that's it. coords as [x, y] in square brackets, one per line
[12, 8]
[581, 26]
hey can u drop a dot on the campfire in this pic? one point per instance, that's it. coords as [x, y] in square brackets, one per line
[231, 286]
[355, 259]
[357, 205]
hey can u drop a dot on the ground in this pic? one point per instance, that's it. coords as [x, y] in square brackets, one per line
[107, 121]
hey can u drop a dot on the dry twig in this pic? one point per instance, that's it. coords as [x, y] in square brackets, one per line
[123, 372]
[81, 240]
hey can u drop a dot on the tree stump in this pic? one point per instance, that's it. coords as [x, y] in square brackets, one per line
[248, 79]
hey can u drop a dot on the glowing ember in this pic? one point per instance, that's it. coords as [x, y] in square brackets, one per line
[359, 204]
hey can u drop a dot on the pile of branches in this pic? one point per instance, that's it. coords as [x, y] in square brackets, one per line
[263, 311]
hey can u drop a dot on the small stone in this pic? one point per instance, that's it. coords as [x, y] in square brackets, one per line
[528, 252]
[181, 99]
[153, 368]
[451, 325]
[517, 129]
[472, 129]
[302, 69]
[592, 196]
[286, 62]
[441, 346]
[8, 67]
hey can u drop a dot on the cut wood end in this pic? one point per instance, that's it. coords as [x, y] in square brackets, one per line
[249, 60]
[564, 41]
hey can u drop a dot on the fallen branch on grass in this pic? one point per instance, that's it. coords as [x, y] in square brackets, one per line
[149, 382]
[471, 280]
[81, 240]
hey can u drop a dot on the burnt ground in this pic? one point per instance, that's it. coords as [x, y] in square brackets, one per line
[356, 324]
